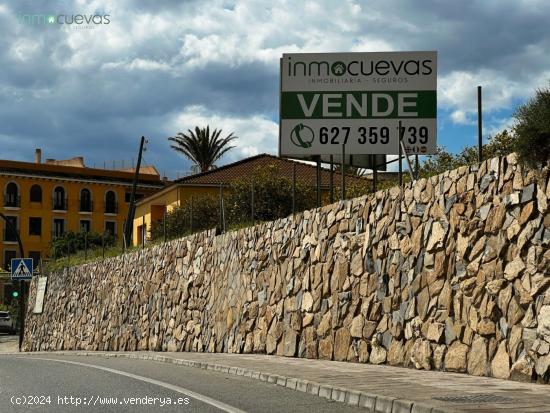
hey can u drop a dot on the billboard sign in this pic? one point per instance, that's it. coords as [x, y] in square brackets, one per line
[357, 99]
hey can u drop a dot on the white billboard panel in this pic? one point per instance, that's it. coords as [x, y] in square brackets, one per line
[357, 100]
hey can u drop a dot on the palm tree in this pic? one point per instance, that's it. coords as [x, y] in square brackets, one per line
[204, 150]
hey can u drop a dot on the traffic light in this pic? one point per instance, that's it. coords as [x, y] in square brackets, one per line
[15, 294]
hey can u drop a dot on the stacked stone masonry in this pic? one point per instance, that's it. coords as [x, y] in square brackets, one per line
[453, 274]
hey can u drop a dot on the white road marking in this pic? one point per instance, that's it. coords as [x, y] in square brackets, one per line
[205, 399]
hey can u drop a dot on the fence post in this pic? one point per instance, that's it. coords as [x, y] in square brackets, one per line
[293, 188]
[223, 213]
[86, 245]
[191, 215]
[343, 188]
[252, 200]
[164, 226]
[221, 208]
[479, 126]
[103, 245]
[331, 180]
[68, 251]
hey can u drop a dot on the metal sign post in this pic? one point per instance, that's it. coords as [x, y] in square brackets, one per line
[479, 126]
[343, 170]
[318, 183]
[21, 269]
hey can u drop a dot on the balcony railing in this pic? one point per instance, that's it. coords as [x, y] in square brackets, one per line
[86, 206]
[59, 204]
[111, 208]
[9, 235]
[57, 234]
[11, 201]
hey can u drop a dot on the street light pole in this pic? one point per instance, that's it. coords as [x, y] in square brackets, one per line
[21, 317]
[129, 224]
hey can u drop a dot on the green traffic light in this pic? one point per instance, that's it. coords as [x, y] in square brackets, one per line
[15, 294]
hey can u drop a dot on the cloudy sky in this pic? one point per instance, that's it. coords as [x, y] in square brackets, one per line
[162, 67]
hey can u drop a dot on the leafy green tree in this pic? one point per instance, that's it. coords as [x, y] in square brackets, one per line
[202, 148]
[272, 196]
[501, 144]
[195, 214]
[532, 129]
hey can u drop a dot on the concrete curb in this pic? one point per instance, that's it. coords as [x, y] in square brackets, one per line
[375, 402]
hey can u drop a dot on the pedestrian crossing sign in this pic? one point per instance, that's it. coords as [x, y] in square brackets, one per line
[21, 269]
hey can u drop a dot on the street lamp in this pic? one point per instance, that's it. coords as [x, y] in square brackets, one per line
[21, 293]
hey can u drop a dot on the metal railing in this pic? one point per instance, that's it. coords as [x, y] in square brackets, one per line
[57, 234]
[60, 204]
[85, 205]
[111, 208]
[12, 201]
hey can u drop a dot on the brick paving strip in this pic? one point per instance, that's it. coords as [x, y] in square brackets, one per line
[380, 388]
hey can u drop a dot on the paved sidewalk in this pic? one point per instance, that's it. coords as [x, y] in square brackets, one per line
[380, 388]
[9, 343]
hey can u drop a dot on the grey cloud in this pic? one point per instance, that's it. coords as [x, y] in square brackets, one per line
[100, 108]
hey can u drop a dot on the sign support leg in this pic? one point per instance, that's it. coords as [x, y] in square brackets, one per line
[374, 173]
[331, 180]
[400, 155]
[293, 188]
[343, 188]
[318, 182]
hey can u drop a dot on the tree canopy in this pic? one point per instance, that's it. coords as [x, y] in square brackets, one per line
[202, 148]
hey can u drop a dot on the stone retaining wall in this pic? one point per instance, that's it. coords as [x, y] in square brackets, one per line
[454, 275]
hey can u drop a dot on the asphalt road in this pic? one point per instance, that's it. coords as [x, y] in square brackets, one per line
[95, 384]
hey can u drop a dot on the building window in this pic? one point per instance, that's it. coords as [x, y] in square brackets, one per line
[110, 203]
[9, 235]
[59, 200]
[58, 227]
[8, 256]
[11, 196]
[110, 228]
[35, 255]
[85, 200]
[85, 225]
[35, 226]
[36, 193]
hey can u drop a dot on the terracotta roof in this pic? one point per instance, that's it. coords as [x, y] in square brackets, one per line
[245, 167]
[75, 172]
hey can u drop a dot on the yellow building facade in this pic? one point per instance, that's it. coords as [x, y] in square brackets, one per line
[46, 200]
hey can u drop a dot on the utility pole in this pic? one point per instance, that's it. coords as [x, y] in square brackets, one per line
[132, 208]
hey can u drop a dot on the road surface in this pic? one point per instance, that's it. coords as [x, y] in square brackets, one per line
[54, 383]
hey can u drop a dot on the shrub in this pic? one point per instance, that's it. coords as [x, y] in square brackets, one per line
[532, 129]
[71, 242]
